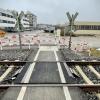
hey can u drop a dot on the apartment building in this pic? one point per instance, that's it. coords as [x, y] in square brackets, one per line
[7, 20]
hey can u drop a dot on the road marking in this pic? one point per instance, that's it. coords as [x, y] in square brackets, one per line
[66, 91]
[22, 93]
[68, 70]
[27, 77]
[48, 48]
[6, 73]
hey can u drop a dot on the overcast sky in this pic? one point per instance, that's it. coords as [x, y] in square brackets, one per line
[54, 11]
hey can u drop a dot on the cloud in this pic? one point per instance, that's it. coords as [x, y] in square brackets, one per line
[54, 11]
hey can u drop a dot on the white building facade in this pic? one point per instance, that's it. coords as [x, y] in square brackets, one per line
[25, 23]
[7, 20]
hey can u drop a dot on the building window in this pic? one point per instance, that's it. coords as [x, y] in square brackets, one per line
[0, 14]
[12, 17]
[25, 20]
[82, 27]
[26, 24]
[87, 27]
[6, 15]
[3, 14]
[98, 27]
[95, 27]
[11, 22]
[4, 21]
[92, 27]
[1, 21]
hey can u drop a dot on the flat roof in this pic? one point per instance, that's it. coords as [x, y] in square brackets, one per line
[6, 11]
[86, 23]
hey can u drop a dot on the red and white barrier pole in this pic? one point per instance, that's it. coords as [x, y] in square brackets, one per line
[1, 45]
[38, 41]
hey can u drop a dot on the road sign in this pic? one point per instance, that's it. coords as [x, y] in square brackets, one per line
[68, 15]
[74, 17]
[71, 25]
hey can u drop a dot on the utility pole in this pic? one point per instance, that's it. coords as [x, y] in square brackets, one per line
[71, 25]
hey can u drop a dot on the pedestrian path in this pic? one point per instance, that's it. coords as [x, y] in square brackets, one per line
[28, 75]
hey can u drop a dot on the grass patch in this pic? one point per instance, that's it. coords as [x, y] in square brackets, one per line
[94, 52]
[84, 35]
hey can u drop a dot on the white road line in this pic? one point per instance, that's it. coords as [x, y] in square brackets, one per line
[66, 91]
[27, 78]
[22, 93]
[30, 70]
[68, 70]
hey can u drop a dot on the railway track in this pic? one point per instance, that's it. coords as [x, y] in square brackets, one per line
[10, 73]
[90, 70]
[47, 68]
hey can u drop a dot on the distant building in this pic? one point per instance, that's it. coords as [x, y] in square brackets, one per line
[25, 23]
[41, 26]
[32, 20]
[7, 20]
[46, 27]
[87, 28]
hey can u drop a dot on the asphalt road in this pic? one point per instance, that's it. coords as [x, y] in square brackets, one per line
[45, 73]
[11, 93]
[47, 56]
[21, 75]
[44, 93]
